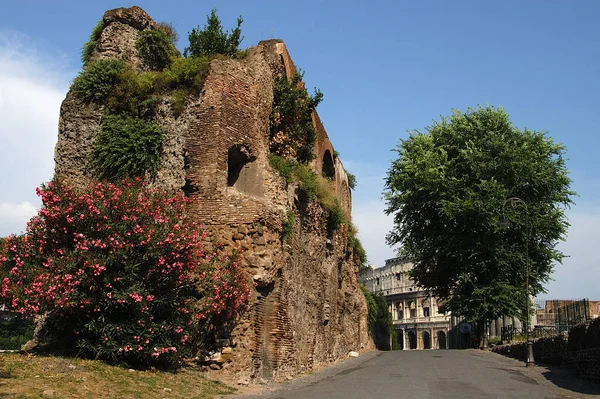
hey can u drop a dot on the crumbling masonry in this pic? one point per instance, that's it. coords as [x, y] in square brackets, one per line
[307, 308]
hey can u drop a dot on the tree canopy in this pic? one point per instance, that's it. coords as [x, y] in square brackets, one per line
[213, 40]
[447, 192]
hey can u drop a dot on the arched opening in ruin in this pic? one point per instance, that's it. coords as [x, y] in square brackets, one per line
[412, 340]
[426, 340]
[441, 337]
[242, 172]
[328, 169]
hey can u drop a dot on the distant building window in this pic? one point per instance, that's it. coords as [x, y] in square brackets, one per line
[426, 312]
[377, 281]
[399, 277]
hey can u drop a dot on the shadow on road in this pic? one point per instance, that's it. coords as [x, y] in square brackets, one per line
[567, 380]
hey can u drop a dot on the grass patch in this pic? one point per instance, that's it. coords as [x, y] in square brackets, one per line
[188, 73]
[69, 377]
[90, 45]
[178, 102]
[336, 217]
[307, 180]
[288, 225]
[282, 166]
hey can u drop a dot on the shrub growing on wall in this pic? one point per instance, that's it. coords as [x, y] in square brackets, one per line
[292, 132]
[121, 273]
[379, 320]
[155, 48]
[97, 80]
[127, 147]
[90, 45]
[188, 73]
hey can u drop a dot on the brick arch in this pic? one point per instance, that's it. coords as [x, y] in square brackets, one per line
[324, 153]
[327, 165]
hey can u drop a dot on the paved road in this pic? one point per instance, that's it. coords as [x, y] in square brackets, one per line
[434, 374]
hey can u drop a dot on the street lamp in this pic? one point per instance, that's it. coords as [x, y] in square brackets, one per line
[505, 223]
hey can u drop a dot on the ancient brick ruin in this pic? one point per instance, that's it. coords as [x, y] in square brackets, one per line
[307, 308]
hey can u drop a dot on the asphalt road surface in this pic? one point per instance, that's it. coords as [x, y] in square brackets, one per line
[434, 374]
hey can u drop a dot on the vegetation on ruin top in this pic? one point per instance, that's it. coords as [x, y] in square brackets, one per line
[131, 97]
[292, 133]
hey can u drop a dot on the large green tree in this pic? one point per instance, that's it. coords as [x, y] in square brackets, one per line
[448, 191]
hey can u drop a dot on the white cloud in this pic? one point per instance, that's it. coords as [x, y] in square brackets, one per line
[579, 275]
[33, 83]
[373, 225]
[14, 217]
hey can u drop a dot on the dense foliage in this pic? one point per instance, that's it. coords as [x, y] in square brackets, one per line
[121, 274]
[97, 80]
[337, 217]
[447, 192]
[90, 45]
[351, 181]
[356, 245]
[379, 320]
[127, 147]
[155, 48]
[212, 40]
[14, 330]
[292, 132]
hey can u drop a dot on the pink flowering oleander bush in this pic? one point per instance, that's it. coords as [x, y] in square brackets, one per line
[121, 274]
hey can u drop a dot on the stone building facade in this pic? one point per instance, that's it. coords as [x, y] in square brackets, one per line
[307, 307]
[418, 317]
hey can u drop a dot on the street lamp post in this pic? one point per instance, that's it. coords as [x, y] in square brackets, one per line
[516, 202]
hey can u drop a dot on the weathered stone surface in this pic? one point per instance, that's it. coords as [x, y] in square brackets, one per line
[307, 308]
[117, 40]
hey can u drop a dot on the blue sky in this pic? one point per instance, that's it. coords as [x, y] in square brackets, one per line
[385, 67]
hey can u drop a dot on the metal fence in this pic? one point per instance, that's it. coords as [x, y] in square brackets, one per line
[556, 316]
